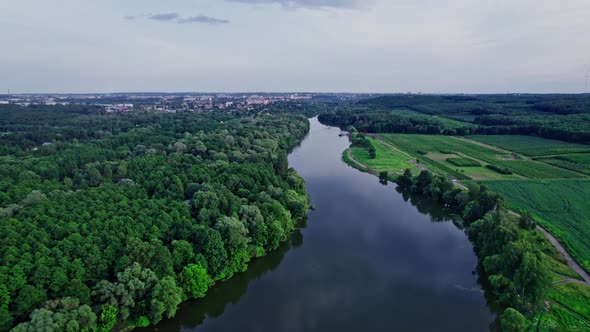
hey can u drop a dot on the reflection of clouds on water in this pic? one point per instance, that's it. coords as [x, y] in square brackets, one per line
[469, 289]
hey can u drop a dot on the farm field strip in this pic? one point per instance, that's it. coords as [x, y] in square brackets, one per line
[575, 162]
[531, 145]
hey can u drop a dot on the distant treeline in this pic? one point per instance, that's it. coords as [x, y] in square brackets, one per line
[563, 117]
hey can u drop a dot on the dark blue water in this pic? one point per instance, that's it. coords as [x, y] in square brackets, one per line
[365, 260]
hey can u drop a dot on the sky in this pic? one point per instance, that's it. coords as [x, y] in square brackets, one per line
[379, 46]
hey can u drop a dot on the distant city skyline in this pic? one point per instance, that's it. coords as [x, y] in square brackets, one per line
[370, 46]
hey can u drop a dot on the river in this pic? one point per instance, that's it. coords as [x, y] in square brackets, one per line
[367, 259]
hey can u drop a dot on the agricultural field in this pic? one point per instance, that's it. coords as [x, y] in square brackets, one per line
[561, 206]
[575, 162]
[531, 145]
[469, 170]
[386, 160]
[430, 145]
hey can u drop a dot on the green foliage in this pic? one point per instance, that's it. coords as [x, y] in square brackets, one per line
[513, 321]
[61, 315]
[516, 268]
[500, 170]
[166, 297]
[142, 321]
[526, 221]
[119, 204]
[384, 177]
[107, 318]
[195, 281]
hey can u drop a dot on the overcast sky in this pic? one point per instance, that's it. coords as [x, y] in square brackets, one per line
[294, 45]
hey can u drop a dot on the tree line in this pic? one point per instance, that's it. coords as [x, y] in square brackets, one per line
[562, 117]
[510, 257]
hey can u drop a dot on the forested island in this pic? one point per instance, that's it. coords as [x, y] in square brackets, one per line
[112, 220]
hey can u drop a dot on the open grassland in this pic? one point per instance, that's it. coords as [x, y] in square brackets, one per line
[575, 162]
[386, 159]
[531, 145]
[418, 145]
[570, 309]
[561, 206]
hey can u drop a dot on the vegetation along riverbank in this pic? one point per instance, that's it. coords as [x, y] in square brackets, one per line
[486, 178]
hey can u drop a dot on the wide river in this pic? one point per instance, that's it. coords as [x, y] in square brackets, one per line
[366, 260]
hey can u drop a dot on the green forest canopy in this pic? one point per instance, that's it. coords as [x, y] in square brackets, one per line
[108, 218]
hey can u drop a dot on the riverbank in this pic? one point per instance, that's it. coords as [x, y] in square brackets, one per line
[565, 270]
[352, 267]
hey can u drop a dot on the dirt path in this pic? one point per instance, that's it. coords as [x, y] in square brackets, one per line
[570, 261]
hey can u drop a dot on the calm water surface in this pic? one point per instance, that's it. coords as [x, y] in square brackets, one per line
[365, 260]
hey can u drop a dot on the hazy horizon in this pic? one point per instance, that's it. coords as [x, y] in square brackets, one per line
[319, 46]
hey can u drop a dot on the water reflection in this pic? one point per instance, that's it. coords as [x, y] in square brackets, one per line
[373, 259]
[193, 313]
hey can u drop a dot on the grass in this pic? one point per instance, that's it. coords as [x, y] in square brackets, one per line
[386, 160]
[573, 296]
[351, 163]
[483, 154]
[531, 145]
[561, 206]
[570, 309]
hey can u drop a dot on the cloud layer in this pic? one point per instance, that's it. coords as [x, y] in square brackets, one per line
[177, 18]
[305, 3]
[296, 45]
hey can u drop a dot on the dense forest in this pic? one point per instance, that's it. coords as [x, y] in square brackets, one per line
[562, 117]
[113, 219]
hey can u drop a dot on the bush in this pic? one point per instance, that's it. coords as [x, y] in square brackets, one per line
[499, 169]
